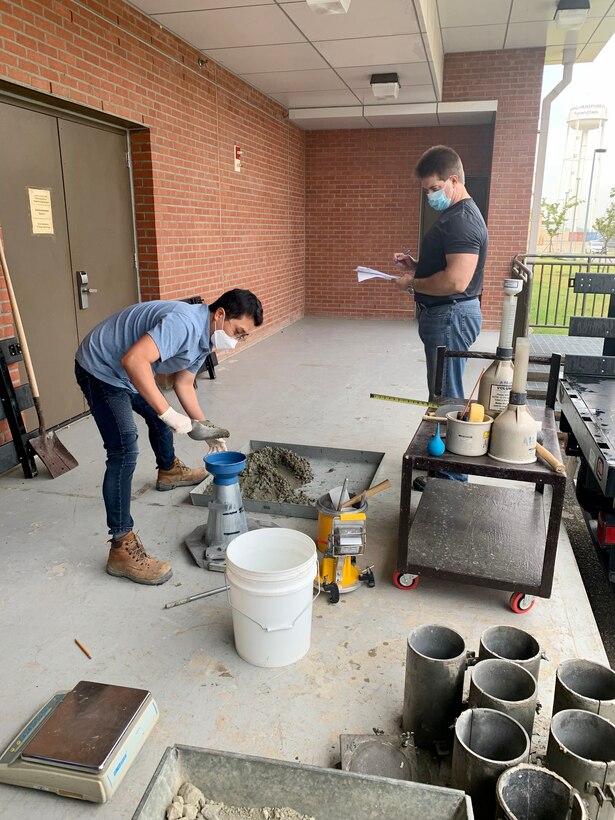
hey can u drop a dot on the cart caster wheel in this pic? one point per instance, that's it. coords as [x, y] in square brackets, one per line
[334, 592]
[521, 603]
[404, 580]
[368, 576]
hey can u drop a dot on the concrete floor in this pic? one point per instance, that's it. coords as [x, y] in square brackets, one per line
[309, 384]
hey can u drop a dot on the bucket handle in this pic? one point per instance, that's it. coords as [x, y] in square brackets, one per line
[272, 628]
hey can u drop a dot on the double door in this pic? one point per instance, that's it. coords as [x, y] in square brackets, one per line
[67, 219]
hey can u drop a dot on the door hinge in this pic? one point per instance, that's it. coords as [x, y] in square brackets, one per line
[128, 162]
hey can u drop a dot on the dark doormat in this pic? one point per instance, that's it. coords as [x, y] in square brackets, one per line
[599, 590]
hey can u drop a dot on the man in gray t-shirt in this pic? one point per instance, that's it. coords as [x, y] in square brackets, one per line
[447, 280]
[115, 367]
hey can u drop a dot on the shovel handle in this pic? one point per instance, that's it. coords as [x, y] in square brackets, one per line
[368, 493]
[429, 417]
[554, 463]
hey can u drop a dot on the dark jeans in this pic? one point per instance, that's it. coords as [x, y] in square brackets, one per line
[112, 409]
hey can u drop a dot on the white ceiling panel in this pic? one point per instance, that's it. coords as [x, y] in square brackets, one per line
[373, 50]
[473, 38]
[275, 82]
[311, 62]
[365, 18]
[409, 74]
[268, 58]
[454, 13]
[531, 34]
[162, 6]
[557, 36]
[233, 28]
[315, 99]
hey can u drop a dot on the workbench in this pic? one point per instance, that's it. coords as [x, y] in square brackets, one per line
[495, 536]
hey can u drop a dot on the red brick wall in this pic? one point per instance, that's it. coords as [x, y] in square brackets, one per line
[362, 200]
[201, 227]
[362, 205]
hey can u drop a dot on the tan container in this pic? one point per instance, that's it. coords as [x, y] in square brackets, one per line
[467, 438]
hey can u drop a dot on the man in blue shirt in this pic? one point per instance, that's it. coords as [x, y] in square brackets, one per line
[115, 367]
[447, 280]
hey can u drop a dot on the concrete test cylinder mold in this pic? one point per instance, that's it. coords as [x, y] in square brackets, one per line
[506, 687]
[581, 749]
[486, 743]
[436, 660]
[586, 685]
[512, 644]
[270, 575]
[528, 792]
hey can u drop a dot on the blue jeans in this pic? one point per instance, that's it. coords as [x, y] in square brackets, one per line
[455, 326]
[112, 409]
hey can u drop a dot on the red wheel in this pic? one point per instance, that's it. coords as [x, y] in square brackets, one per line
[520, 603]
[405, 580]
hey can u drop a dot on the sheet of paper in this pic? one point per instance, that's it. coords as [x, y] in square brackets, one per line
[369, 273]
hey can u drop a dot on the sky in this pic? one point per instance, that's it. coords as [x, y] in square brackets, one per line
[592, 83]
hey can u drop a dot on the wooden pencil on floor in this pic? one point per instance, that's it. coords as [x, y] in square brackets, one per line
[83, 649]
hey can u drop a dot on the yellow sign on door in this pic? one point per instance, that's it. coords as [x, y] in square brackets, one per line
[40, 210]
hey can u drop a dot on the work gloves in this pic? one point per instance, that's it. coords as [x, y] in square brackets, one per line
[203, 430]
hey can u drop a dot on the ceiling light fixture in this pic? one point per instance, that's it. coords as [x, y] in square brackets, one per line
[385, 86]
[571, 14]
[329, 6]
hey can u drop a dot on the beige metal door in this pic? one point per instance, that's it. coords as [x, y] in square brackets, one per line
[38, 253]
[100, 221]
[79, 175]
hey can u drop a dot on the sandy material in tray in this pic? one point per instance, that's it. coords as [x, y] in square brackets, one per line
[191, 803]
[275, 474]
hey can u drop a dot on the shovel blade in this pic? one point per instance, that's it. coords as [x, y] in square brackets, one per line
[53, 454]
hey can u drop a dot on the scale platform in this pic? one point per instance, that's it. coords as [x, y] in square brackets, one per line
[82, 742]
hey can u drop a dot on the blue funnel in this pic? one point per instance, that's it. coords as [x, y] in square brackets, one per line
[225, 467]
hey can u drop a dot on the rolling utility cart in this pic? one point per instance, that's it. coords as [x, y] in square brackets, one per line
[587, 399]
[495, 536]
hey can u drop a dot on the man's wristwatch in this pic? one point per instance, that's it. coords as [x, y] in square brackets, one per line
[410, 290]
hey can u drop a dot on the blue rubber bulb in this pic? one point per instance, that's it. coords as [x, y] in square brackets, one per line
[436, 445]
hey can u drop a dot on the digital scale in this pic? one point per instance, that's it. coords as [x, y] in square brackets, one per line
[82, 742]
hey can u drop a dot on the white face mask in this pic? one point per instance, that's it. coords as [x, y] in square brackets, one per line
[221, 340]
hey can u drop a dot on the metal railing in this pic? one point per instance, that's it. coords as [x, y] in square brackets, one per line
[548, 300]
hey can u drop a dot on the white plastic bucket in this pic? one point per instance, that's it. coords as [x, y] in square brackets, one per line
[270, 575]
[467, 438]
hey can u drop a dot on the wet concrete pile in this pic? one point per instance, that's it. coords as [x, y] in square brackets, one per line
[276, 474]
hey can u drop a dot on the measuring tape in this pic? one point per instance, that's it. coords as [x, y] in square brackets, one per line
[401, 400]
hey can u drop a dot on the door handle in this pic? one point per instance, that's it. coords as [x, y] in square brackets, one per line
[84, 289]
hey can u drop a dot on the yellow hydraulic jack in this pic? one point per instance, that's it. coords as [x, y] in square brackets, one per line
[341, 538]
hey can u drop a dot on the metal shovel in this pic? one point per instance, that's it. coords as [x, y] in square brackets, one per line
[46, 445]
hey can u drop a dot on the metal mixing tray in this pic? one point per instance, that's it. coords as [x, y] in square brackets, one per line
[240, 780]
[331, 465]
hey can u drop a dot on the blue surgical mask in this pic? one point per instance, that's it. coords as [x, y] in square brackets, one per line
[438, 200]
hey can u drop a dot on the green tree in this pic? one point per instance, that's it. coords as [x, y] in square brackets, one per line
[605, 225]
[554, 215]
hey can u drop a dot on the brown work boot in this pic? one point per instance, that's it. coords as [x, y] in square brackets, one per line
[129, 560]
[179, 476]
